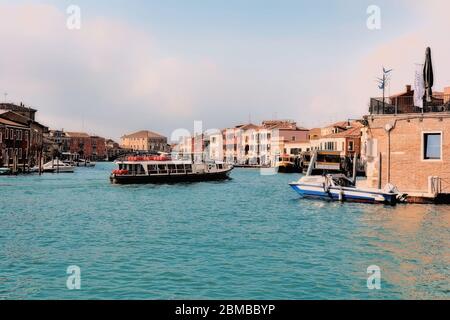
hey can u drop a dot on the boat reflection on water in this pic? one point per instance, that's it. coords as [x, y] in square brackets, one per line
[414, 240]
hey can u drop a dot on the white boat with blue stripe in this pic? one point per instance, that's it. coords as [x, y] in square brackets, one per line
[338, 187]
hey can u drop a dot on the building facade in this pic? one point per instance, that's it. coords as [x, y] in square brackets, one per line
[25, 117]
[249, 144]
[346, 141]
[410, 151]
[86, 146]
[145, 141]
[114, 150]
[14, 145]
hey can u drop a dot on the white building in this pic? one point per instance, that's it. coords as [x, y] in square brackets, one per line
[250, 144]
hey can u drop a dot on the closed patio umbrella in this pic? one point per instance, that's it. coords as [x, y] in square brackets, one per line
[428, 76]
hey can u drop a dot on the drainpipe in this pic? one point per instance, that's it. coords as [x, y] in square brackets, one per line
[380, 170]
[355, 158]
[389, 158]
[389, 127]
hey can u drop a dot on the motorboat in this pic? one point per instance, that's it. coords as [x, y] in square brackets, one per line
[341, 188]
[57, 166]
[287, 164]
[5, 171]
[85, 163]
[162, 169]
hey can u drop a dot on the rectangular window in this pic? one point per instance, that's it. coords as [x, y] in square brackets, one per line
[432, 146]
[20, 153]
[6, 134]
[350, 146]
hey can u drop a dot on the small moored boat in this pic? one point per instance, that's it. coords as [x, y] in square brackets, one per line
[57, 166]
[5, 171]
[287, 164]
[161, 169]
[340, 187]
[85, 163]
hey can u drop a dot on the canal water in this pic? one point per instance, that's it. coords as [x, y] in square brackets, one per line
[248, 238]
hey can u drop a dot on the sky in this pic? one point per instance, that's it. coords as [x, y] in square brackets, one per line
[161, 65]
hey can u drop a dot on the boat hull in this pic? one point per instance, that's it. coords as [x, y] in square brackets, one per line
[345, 194]
[59, 170]
[168, 179]
[288, 169]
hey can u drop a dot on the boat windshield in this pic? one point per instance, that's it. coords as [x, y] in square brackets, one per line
[342, 181]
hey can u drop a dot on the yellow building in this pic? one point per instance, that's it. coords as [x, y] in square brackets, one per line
[145, 141]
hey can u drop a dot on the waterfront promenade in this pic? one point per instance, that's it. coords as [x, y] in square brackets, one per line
[249, 238]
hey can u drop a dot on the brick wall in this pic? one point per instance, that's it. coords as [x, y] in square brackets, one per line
[408, 170]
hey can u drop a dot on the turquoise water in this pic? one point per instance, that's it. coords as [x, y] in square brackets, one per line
[248, 238]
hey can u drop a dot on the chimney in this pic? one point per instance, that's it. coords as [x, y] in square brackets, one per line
[408, 88]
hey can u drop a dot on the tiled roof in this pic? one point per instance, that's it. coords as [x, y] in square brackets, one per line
[353, 132]
[340, 124]
[11, 123]
[77, 135]
[143, 134]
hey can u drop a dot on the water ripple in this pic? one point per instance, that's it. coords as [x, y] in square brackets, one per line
[250, 238]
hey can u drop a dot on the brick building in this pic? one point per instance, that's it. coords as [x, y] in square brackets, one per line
[25, 117]
[86, 146]
[14, 145]
[410, 151]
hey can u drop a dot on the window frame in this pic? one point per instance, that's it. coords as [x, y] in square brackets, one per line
[352, 144]
[422, 149]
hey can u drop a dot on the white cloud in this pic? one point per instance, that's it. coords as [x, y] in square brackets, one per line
[109, 74]
[116, 78]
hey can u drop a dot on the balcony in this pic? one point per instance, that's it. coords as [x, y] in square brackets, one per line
[405, 104]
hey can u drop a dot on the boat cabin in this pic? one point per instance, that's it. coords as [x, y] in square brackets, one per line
[166, 168]
[326, 161]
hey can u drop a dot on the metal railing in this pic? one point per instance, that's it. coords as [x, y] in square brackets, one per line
[406, 104]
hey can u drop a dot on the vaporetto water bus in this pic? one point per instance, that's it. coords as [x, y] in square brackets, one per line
[162, 169]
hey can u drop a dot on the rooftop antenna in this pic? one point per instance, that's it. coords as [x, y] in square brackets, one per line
[6, 95]
[383, 82]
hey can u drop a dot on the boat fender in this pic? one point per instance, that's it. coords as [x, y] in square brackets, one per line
[341, 195]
